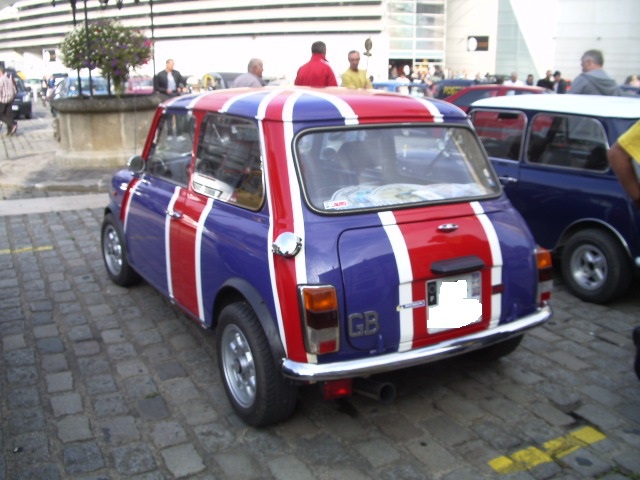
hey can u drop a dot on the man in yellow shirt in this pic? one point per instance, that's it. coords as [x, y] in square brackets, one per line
[622, 157]
[354, 78]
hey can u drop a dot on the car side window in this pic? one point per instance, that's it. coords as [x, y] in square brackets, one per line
[567, 141]
[170, 156]
[501, 132]
[228, 161]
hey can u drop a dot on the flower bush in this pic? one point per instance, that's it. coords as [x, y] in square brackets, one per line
[109, 46]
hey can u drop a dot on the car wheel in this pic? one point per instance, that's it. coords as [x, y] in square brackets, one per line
[114, 254]
[495, 351]
[595, 267]
[258, 392]
[29, 114]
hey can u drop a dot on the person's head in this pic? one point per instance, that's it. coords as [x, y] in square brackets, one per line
[549, 74]
[169, 66]
[354, 60]
[530, 79]
[557, 75]
[318, 47]
[255, 66]
[591, 60]
[514, 76]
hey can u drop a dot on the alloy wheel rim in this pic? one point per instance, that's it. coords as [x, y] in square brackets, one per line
[239, 366]
[112, 250]
[589, 267]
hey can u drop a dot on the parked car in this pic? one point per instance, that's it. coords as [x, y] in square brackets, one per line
[550, 154]
[219, 80]
[21, 105]
[139, 85]
[466, 96]
[32, 85]
[447, 87]
[70, 86]
[415, 89]
[327, 236]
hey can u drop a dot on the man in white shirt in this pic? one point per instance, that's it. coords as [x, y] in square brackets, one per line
[513, 80]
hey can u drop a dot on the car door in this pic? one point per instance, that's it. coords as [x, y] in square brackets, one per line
[502, 133]
[156, 201]
[218, 214]
[564, 176]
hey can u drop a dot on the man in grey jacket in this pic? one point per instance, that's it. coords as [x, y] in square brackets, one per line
[253, 77]
[594, 80]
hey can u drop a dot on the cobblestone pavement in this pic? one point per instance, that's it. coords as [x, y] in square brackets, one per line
[101, 382]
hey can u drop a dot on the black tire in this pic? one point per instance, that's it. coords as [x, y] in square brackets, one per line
[29, 114]
[495, 351]
[595, 267]
[256, 389]
[114, 254]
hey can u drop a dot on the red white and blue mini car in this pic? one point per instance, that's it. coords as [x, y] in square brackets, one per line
[327, 235]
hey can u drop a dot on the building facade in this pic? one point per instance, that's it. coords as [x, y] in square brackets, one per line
[465, 37]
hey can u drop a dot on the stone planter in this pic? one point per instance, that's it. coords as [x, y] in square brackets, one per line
[103, 131]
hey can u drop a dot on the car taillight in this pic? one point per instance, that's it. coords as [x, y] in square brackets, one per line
[320, 319]
[545, 274]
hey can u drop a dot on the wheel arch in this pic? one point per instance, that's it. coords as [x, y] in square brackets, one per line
[236, 290]
[591, 223]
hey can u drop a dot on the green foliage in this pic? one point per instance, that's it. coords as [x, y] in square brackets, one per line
[109, 46]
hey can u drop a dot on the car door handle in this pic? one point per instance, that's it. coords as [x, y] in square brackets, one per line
[507, 180]
[173, 214]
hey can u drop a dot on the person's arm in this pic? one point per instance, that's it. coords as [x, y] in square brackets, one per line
[578, 85]
[331, 80]
[620, 162]
[156, 84]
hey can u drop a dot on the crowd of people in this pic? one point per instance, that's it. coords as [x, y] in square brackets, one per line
[317, 72]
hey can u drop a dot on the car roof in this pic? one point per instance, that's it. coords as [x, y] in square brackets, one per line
[336, 105]
[594, 105]
[501, 86]
[399, 83]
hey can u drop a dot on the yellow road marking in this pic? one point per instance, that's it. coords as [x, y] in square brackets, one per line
[530, 457]
[7, 251]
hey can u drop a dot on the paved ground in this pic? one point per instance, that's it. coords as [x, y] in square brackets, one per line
[101, 382]
[28, 166]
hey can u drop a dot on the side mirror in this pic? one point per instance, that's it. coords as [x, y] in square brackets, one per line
[137, 164]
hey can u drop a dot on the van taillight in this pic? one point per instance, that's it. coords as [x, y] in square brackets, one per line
[320, 319]
[545, 274]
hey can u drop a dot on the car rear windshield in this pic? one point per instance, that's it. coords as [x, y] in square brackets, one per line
[392, 166]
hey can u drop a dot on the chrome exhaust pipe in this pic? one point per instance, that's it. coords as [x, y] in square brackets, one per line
[384, 392]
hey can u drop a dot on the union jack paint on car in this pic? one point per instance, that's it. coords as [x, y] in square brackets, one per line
[327, 235]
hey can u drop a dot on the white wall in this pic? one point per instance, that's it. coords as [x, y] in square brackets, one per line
[612, 26]
[550, 34]
[468, 18]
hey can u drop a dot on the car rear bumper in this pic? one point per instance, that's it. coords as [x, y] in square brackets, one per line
[397, 360]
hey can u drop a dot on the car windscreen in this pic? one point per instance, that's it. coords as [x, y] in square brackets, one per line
[392, 166]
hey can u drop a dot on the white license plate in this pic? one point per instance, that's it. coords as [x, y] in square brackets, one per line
[14, 107]
[454, 302]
